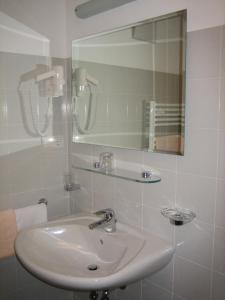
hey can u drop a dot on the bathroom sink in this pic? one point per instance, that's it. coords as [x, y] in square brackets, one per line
[68, 254]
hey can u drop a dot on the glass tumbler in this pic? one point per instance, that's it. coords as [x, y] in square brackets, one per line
[106, 161]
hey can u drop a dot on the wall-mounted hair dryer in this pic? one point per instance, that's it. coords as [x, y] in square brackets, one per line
[51, 83]
[82, 79]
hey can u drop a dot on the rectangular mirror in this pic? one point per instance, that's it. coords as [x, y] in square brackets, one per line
[128, 86]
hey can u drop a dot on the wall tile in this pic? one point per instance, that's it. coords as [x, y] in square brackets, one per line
[83, 178]
[161, 194]
[26, 162]
[221, 159]
[222, 103]
[15, 109]
[20, 138]
[7, 276]
[82, 154]
[82, 201]
[161, 161]
[154, 222]
[9, 297]
[3, 107]
[52, 166]
[119, 107]
[175, 297]
[25, 279]
[4, 135]
[127, 202]
[58, 294]
[219, 250]
[198, 194]
[18, 67]
[127, 212]
[191, 281]
[223, 53]
[81, 296]
[5, 182]
[58, 202]
[195, 241]
[3, 70]
[164, 277]
[218, 290]
[154, 292]
[101, 201]
[127, 159]
[5, 202]
[203, 53]
[114, 82]
[103, 110]
[220, 203]
[161, 86]
[200, 152]
[132, 292]
[202, 100]
[103, 184]
[35, 293]
[130, 192]
[135, 107]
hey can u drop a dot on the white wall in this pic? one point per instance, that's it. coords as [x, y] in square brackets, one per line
[44, 17]
[18, 38]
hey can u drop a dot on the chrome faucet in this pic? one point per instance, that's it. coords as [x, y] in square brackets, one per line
[108, 222]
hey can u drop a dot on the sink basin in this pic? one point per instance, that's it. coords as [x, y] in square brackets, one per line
[68, 254]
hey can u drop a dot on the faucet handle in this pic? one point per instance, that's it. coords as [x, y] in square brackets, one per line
[108, 220]
[105, 211]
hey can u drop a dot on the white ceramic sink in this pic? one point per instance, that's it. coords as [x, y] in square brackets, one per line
[61, 251]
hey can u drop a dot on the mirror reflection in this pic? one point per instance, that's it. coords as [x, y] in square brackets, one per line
[128, 86]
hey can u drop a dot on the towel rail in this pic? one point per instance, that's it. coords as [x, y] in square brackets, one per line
[158, 115]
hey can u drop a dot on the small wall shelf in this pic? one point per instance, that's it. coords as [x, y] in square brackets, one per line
[122, 174]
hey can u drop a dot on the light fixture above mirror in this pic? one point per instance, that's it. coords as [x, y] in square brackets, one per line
[95, 7]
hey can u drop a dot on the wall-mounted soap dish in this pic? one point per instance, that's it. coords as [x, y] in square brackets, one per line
[178, 216]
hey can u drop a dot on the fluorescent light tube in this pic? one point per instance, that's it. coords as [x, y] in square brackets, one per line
[94, 7]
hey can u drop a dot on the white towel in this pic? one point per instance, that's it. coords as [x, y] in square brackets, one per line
[31, 215]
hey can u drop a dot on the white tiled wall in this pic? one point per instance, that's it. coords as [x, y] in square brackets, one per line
[195, 181]
[30, 168]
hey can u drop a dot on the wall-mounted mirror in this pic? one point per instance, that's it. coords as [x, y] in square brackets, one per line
[128, 86]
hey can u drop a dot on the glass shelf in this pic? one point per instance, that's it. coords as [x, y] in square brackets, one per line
[122, 174]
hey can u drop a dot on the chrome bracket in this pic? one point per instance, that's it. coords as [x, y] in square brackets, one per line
[69, 187]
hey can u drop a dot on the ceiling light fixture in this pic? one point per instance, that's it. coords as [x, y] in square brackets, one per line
[94, 7]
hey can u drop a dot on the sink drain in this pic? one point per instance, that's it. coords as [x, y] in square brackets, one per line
[93, 267]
